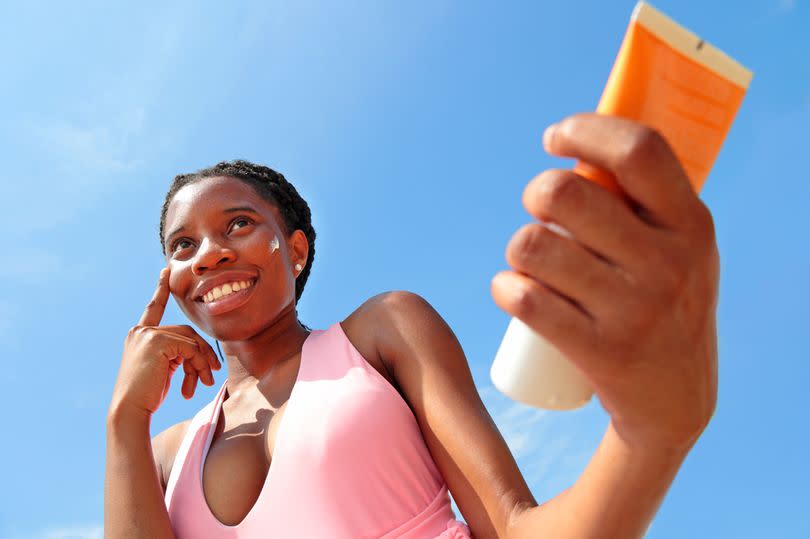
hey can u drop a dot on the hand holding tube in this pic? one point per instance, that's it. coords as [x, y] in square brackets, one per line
[630, 298]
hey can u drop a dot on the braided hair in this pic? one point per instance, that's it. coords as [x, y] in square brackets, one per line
[270, 185]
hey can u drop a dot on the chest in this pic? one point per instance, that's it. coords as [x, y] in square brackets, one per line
[241, 454]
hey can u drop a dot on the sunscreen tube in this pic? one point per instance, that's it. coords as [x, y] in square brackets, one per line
[669, 79]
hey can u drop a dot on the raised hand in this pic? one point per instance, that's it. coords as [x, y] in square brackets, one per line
[152, 353]
[630, 297]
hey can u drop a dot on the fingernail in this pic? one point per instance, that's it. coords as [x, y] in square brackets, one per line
[548, 134]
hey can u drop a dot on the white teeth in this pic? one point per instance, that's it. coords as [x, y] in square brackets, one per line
[226, 289]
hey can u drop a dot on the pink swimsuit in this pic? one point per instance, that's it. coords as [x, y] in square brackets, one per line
[349, 461]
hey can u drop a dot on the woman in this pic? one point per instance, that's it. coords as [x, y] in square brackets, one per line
[358, 430]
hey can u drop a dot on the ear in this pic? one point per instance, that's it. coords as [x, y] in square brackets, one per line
[298, 246]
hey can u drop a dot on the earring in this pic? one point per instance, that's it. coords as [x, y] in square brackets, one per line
[298, 267]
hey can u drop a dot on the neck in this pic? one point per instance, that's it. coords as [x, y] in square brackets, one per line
[263, 358]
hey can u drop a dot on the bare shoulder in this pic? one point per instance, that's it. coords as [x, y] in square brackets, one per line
[398, 312]
[385, 323]
[362, 328]
[164, 448]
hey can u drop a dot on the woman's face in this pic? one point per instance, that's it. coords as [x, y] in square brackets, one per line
[219, 230]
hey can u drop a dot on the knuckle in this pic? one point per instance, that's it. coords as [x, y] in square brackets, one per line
[564, 193]
[527, 242]
[529, 196]
[147, 333]
[536, 193]
[567, 128]
[667, 267]
[645, 144]
[705, 222]
[671, 280]
[139, 330]
[702, 241]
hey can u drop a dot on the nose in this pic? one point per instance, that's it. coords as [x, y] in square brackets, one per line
[210, 255]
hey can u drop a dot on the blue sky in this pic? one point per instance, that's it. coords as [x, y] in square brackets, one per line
[411, 129]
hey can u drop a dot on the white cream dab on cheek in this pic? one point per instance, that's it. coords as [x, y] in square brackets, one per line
[274, 244]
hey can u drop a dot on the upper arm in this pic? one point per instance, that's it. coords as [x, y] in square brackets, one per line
[431, 369]
[164, 449]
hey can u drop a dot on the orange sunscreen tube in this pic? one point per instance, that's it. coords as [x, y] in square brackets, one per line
[669, 79]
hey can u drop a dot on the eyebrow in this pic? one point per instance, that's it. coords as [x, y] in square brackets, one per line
[227, 210]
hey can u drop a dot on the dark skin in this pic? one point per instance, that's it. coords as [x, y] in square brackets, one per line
[630, 300]
[262, 340]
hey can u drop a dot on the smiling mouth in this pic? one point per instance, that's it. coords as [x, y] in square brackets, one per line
[223, 292]
[230, 302]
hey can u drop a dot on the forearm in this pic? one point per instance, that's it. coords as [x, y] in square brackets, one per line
[616, 497]
[133, 497]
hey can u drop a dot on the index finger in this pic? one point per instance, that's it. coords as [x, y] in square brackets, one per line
[640, 159]
[154, 309]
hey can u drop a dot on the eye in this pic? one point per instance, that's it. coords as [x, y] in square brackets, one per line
[177, 244]
[242, 220]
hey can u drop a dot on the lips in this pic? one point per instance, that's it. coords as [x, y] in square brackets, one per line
[232, 301]
[220, 279]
